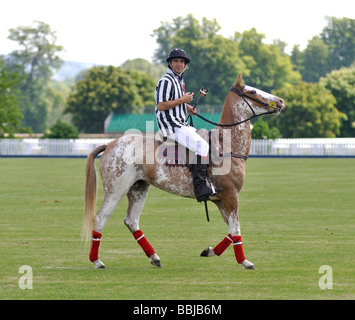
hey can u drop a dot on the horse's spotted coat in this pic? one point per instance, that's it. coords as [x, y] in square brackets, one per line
[125, 170]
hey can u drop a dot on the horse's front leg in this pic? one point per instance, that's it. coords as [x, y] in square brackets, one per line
[230, 215]
[234, 232]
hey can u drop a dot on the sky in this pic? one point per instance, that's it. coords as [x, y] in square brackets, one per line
[113, 31]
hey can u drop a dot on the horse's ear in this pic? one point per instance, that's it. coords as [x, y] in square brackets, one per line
[239, 83]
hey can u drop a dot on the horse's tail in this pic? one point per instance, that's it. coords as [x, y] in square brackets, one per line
[90, 193]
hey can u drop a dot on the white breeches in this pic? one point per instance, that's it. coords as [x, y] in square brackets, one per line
[190, 139]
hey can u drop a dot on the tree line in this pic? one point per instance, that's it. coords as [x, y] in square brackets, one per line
[317, 83]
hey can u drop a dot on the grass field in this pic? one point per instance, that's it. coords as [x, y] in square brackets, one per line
[296, 216]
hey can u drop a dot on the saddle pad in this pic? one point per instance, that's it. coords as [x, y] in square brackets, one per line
[172, 156]
[177, 155]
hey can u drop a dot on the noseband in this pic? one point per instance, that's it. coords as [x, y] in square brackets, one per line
[272, 108]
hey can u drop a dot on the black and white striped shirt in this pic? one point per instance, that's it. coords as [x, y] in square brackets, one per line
[170, 87]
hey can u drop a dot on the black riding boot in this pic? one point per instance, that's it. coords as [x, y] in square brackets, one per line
[199, 174]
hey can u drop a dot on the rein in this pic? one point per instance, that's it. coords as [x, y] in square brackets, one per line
[244, 96]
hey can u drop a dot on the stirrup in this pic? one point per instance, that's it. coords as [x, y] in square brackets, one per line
[214, 196]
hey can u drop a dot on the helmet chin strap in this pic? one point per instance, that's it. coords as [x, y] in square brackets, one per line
[178, 74]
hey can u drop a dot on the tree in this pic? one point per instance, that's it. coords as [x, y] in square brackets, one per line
[145, 86]
[270, 68]
[154, 70]
[38, 55]
[310, 112]
[215, 60]
[315, 60]
[332, 49]
[181, 30]
[297, 58]
[104, 89]
[339, 36]
[261, 130]
[57, 95]
[62, 130]
[10, 113]
[341, 83]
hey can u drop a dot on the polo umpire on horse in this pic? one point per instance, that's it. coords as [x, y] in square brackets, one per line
[172, 109]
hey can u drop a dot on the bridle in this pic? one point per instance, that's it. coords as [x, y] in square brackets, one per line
[273, 108]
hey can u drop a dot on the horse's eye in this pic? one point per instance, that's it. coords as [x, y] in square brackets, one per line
[253, 92]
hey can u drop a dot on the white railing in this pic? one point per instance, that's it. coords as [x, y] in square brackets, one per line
[304, 147]
[278, 147]
[49, 147]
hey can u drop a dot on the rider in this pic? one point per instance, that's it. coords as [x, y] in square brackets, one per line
[172, 106]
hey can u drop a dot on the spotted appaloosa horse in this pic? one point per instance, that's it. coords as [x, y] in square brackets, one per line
[122, 174]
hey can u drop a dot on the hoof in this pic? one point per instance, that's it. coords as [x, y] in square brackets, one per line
[98, 264]
[155, 260]
[208, 252]
[248, 265]
[156, 263]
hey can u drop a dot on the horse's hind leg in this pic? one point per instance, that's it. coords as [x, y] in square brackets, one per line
[109, 203]
[136, 198]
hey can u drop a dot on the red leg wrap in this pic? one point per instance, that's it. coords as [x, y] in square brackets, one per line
[95, 244]
[238, 248]
[143, 242]
[223, 245]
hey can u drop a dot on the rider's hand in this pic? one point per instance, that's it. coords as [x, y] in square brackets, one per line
[188, 97]
[191, 110]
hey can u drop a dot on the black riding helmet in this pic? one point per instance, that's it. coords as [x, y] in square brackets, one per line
[178, 53]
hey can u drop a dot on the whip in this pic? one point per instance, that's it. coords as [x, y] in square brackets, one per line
[202, 93]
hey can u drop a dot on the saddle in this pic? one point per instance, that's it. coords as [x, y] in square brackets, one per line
[173, 154]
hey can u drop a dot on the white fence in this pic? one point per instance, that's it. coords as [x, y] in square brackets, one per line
[338, 147]
[49, 147]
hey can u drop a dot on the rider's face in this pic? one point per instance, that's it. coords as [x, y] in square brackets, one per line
[178, 65]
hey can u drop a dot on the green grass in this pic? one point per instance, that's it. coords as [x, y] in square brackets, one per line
[296, 215]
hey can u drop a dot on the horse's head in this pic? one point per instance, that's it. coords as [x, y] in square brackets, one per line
[258, 102]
